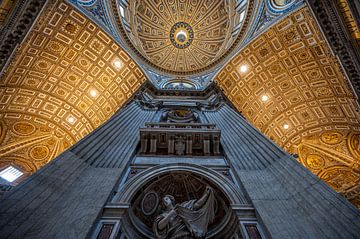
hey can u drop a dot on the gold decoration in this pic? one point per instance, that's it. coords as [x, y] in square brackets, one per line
[333, 160]
[39, 152]
[307, 90]
[331, 137]
[354, 145]
[6, 7]
[315, 161]
[349, 20]
[23, 128]
[340, 177]
[49, 82]
[210, 25]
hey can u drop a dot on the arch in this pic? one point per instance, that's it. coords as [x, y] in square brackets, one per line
[232, 192]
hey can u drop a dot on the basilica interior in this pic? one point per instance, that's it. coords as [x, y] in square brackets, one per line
[107, 107]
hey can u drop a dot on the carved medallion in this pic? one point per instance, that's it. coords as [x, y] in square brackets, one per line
[150, 203]
[315, 161]
[331, 137]
[354, 144]
[23, 128]
[339, 177]
[39, 152]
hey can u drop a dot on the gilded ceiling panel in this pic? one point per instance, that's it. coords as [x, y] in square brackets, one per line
[288, 83]
[67, 78]
[181, 37]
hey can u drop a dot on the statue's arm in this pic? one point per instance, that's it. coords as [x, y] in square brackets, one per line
[199, 203]
[163, 222]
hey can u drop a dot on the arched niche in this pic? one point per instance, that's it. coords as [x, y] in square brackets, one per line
[137, 202]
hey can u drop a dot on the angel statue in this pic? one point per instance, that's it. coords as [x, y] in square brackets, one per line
[189, 219]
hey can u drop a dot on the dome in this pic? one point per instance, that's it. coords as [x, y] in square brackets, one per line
[181, 37]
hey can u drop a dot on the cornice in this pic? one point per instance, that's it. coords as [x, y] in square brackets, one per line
[17, 27]
[339, 40]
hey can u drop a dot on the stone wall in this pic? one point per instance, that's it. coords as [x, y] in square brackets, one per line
[289, 199]
[64, 199]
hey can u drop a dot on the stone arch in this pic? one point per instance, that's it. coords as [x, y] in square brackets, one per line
[229, 189]
[231, 199]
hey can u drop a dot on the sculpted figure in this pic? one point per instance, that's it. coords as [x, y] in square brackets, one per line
[189, 219]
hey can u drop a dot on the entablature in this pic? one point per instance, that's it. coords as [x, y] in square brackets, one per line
[180, 139]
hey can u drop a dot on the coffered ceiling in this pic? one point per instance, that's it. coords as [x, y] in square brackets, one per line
[209, 29]
[67, 78]
[288, 84]
[218, 30]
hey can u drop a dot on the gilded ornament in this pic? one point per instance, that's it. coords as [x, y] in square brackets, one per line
[331, 137]
[324, 91]
[182, 39]
[24, 128]
[264, 52]
[2, 131]
[56, 46]
[316, 97]
[353, 143]
[39, 153]
[42, 65]
[339, 177]
[70, 28]
[44, 85]
[315, 161]
[181, 35]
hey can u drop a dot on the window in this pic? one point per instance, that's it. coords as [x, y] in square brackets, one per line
[10, 174]
[122, 12]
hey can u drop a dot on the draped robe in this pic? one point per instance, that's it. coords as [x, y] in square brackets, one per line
[188, 223]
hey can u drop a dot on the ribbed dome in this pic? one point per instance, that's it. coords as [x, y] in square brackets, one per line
[182, 37]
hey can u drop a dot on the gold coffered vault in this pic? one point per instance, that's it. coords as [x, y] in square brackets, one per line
[294, 90]
[67, 78]
[214, 28]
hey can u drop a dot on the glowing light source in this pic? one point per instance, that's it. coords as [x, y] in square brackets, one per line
[242, 16]
[181, 36]
[286, 126]
[118, 64]
[10, 174]
[71, 119]
[93, 93]
[265, 98]
[244, 68]
[122, 12]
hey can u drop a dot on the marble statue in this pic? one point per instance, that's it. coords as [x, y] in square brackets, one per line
[189, 219]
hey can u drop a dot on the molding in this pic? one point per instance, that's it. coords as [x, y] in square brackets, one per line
[338, 38]
[16, 28]
[128, 191]
[355, 10]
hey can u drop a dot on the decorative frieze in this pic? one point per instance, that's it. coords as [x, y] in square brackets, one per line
[180, 139]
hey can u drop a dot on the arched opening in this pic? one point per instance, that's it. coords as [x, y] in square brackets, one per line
[138, 203]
